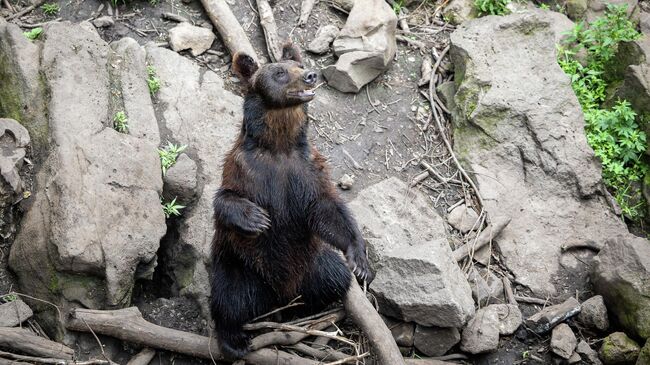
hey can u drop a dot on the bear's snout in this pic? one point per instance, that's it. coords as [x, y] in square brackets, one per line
[309, 77]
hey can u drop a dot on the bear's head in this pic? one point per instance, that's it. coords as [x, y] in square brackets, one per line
[280, 84]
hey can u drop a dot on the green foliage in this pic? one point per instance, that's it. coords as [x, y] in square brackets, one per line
[152, 80]
[169, 154]
[120, 122]
[8, 298]
[50, 8]
[492, 7]
[615, 133]
[397, 6]
[171, 208]
[34, 33]
[544, 6]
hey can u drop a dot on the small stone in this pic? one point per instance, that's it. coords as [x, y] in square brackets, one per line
[403, 332]
[459, 11]
[563, 341]
[576, 9]
[180, 179]
[435, 341]
[544, 320]
[481, 333]
[594, 313]
[644, 22]
[186, 36]
[346, 182]
[509, 317]
[575, 358]
[617, 348]
[462, 218]
[324, 37]
[487, 288]
[103, 22]
[589, 355]
[14, 313]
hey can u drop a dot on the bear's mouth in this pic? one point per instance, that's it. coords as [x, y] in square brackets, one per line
[303, 95]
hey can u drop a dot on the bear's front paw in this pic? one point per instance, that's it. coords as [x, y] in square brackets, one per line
[358, 262]
[255, 220]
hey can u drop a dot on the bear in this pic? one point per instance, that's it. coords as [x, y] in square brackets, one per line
[277, 217]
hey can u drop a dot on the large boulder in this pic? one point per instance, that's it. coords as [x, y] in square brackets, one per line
[365, 46]
[622, 276]
[94, 221]
[417, 278]
[198, 112]
[519, 127]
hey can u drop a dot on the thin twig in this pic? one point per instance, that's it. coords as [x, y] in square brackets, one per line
[26, 10]
[349, 359]
[291, 304]
[101, 346]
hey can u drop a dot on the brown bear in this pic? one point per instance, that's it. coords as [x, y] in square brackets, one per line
[276, 214]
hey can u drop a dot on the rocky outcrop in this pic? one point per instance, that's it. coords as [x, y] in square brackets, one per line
[190, 100]
[417, 278]
[365, 46]
[95, 222]
[518, 125]
[622, 276]
[617, 348]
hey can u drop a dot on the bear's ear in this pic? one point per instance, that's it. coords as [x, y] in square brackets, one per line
[244, 66]
[290, 52]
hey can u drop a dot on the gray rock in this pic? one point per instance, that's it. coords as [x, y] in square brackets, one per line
[103, 22]
[324, 37]
[14, 313]
[576, 9]
[597, 7]
[644, 22]
[187, 36]
[617, 348]
[593, 313]
[574, 359]
[188, 97]
[544, 320]
[365, 46]
[459, 11]
[403, 332]
[435, 341]
[346, 182]
[416, 277]
[481, 333]
[520, 128]
[622, 276]
[97, 221]
[180, 179]
[589, 355]
[13, 140]
[487, 288]
[644, 355]
[563, 341]
[509, 317]
[462, 218]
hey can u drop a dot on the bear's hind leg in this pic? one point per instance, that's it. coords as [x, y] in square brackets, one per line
[238, 295]
[327, 282]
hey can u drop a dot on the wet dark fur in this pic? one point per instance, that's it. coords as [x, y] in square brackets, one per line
[277, 216]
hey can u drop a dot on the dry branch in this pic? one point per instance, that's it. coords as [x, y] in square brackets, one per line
[293, 337]
[143, 357]
[427, 362]
[485, 237]
[46, 360]
[27, 342]
[26, 10]
[305, 11]
[128, 325]
[320, 354]
[174, 17]
[267, 21]
[507, 288]
[229, 29]
[367, 318]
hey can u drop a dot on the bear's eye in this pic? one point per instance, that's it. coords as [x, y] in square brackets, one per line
[280, 74]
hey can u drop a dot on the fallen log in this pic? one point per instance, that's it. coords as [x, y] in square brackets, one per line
[228, 27]
[485, 237]
[267, 21]
[293, 337]
[367, 318]
[128, 325]
[27, 342]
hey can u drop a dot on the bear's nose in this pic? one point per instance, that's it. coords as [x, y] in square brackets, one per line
[310, 77]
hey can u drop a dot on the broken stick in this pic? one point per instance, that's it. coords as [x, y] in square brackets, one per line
[143, 357]
[366, 317]
[27, 342]
[267, 21]
[487, 235]
[229, 29]
[305, 11]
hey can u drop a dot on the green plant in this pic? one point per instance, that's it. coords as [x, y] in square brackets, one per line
[50, 8]
[152, 80]
[615, 133]
[34, 33]
[11, 297]
[171, 208]
[544, 6]
[397, 6]
[120, 122]
[492, 7]
[169, 154]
